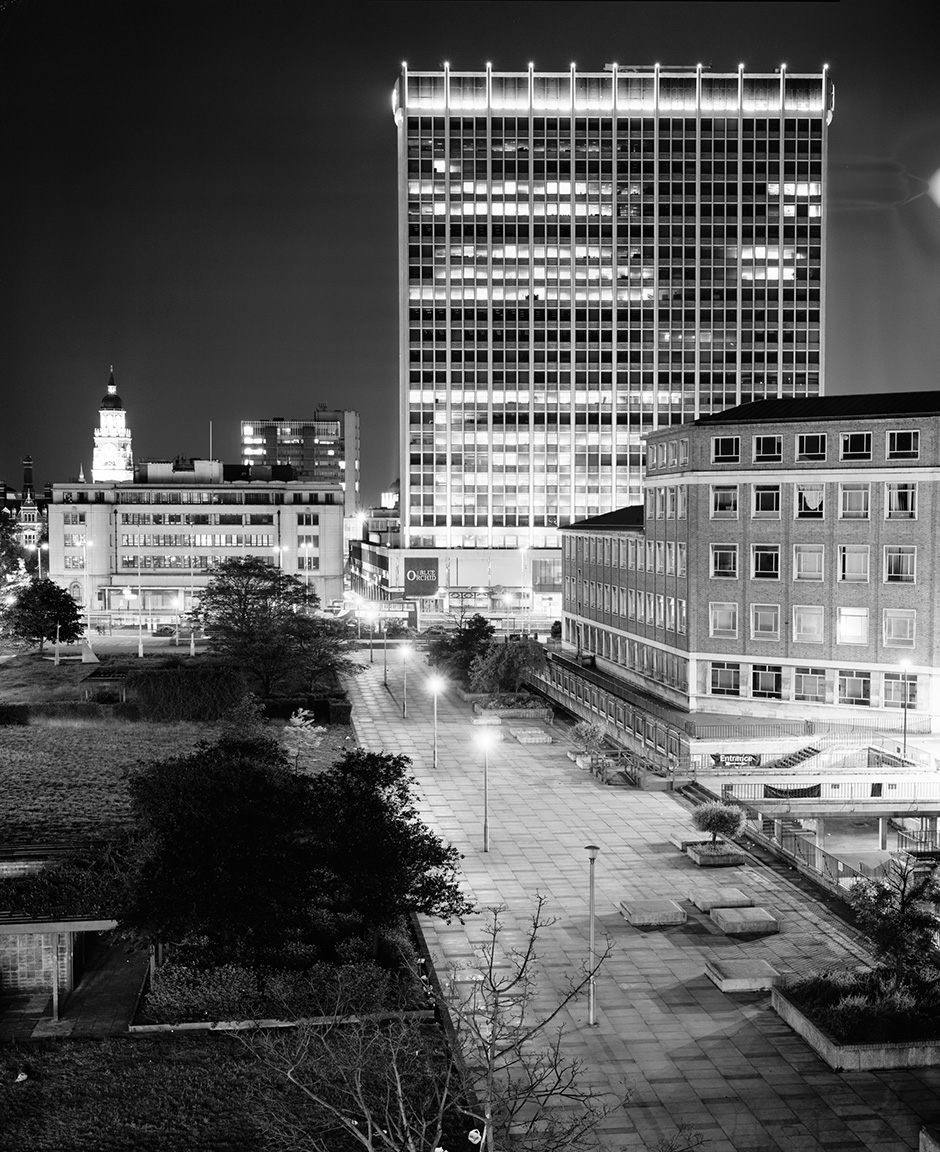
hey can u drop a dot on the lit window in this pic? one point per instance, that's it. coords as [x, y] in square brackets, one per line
[899, 626]
[808, 623]
[851, 625]
[901, 501]
[853, 563]
[855, 446]
[765, 621]
[903, 445]
[808, 561]
[900, 690]
[900, 564]
[854, 501]
[723, 621]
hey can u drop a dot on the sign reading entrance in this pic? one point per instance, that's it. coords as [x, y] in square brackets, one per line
[421, 576]
[736, 759]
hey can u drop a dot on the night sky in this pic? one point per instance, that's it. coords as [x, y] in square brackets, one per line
[203, 194]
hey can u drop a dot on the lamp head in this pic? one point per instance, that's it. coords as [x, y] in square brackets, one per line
[592, 851]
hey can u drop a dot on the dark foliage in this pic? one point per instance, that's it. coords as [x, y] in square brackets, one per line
[454, 654]
[203, 692]
[43, 611]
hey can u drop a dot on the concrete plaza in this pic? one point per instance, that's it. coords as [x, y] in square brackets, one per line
[723, 1064]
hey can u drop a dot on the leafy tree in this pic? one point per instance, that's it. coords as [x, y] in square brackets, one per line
[13, 557]
[899, 916]
[375, 857]
[43, 611]
[260, 618]
[453, 655]
[503, 665]
[719, 819]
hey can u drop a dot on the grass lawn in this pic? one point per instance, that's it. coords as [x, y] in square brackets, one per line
[29, 679]
[172, 1094]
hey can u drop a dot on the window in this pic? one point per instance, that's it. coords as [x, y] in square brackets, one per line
[725, 561]
[903, 445]
[855, 446]
[682, 559]
[671, 613]
[900, 564]
[855, 688]
[808, 561]
[765, 621]
[683, 451]
[767, 681]
[810, 501]
[680, 616]
[724, 502]
[682, 503]
[723, 621]
[670, 503]
[725, 679]
[671, 454]
[900, 690]
[811, 446]
[853, 563]
[810, 684]
[808, 623]
[766, 502]
[726, 449]
[851, 625]
[899, 626]
[853, 501]
[670, 558]
[900, 501]
[660, 610]
[768, 449]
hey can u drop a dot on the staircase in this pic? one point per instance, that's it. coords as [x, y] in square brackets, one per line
[792, 759]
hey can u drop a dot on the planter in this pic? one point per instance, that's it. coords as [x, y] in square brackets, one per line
[854, 1057]
[728, 857]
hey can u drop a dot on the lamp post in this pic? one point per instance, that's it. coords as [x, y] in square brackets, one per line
[436, 685]
[522, 589]
[905, 664]
[87, 597]
[370, 620]
[485, 739]
[385, 651]
[38, 549]
[192, 606]
[592, 851]
[405, 653]
[140, 610]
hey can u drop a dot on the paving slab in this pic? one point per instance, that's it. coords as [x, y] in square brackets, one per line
[741, 975]
[652, 913]
[745, 921]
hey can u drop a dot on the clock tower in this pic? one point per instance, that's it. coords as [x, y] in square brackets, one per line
[113, 459]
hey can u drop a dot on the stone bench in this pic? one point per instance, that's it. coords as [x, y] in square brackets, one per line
[530, 735]
[683, 837]
[487, 720]
[742, 975]
[707, 897]
[652, 913]
[744, 921]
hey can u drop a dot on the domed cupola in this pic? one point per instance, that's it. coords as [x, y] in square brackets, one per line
[113, 459]
[111, 401]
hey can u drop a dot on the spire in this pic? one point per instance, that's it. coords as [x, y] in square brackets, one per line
[81, 473]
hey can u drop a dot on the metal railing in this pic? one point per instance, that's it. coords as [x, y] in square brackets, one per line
[917, 842]
[834, 789]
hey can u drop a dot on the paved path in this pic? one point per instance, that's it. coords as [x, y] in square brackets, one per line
[723, 1064]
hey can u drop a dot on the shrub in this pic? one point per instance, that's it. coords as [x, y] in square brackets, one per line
[14, 715]
[589, 736]
[863, 1008]
[186, 692]
[179, 993]
[725, 820]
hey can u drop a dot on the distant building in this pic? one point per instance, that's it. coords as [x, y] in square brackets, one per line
[144, 547]
[784, 567]
[322, 450]
[113, 457]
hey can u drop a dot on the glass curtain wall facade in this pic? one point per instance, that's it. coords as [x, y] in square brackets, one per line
[585, 257]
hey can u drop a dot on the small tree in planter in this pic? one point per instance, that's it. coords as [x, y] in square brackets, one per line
[718, 820]
[589, 736]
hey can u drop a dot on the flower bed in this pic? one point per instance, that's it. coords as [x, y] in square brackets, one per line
[845, 1056]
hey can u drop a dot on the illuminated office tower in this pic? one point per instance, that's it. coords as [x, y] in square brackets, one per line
[585, 257]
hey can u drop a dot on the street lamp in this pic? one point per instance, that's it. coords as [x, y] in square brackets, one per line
[905, 664]
[405, 653]
[486, 738]
[38, 549]
[140, 610]
[436, 685]
[385, 650]
[370, 620]
[592, 851]
[522, 591]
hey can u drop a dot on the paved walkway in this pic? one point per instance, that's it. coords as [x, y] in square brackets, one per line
[725, 1065]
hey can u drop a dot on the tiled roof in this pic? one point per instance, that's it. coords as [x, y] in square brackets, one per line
[863, 406]
[631, 517]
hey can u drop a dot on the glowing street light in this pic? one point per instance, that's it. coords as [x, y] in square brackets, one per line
[370, 620]
[436, 685]
[592, 851]
[486, 738]
[38, 549]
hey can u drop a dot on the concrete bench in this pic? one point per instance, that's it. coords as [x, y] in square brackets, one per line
[683, 837]
[744, 921]
[530, 735]
[742, 975]
[707, 897]
[652, 913]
